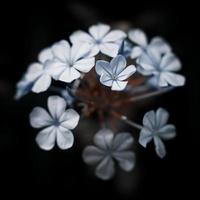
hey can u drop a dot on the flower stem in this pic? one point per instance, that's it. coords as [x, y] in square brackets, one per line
[126, 120]
[150, 94]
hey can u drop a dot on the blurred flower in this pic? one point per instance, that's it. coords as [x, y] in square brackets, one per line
[155, 128]
[57, 124]
[38, 76]
[162, 67]
[115, 73]
[70, 61]
[109, 148]
[140, 39]
[125, 49]
[100, 39]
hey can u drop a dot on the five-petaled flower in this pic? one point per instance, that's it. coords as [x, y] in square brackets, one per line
[141, 44]
[70, 61]
[109, 148]
[57, 124]
[38, 76]
[100, 39]
[155, 128]
[115, 73]
[162, 67]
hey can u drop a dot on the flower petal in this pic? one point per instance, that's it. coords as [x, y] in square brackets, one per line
[122, 141]
[145, 136]
[149, 120]
[119, 85]
[81, 37]
[106, 80]
[92, 155]
[167, 132]
[79, 51]
[103, 67]
[159, 147]
[85, 65]
[170, 62]
[118, 64]
[56, 106]
[46, 138]
[126, 160]
[162, 117]
[65, 138]
[55, 69]
[104, 138]
[114, 36]
[109, 48]
[69, 119]
[39, 118]
[42, 83]
[105, 170]
[138, 37]
[69, 74]
[136, 52]
[126, 73]
[45, 55]
[34, 71]
[173, 78]
[61, 50]
[99, 31]
[160, 44]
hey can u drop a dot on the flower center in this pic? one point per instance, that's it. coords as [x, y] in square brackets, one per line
[56, 122]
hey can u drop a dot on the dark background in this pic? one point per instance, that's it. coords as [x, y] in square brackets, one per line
[28, 27]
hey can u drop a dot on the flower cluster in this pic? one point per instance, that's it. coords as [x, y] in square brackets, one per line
[103, 72]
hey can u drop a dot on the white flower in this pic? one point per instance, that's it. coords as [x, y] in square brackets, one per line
[155, 128]
[162, 67]
[140, 39]
[70, 61]
[115, 73]
[110, 148]
[100, 39]
[38, 76]
[57, 124]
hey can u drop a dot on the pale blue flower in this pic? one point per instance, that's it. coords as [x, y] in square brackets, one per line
[115, 73]
[69, 62]
[57, 124]
[161, 67]
[38, 76]
[108, 149]
[155, 128]
[100, 39]
[141, 44]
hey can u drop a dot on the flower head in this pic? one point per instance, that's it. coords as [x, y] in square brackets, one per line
[115, 73]
[162, 67]
[109, 148]
[141, 44]
[57, 124]
[100, 39]
[70, 61]
[38, 76]
[155, 128]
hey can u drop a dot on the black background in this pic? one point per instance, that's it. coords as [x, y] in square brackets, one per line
[28, 27]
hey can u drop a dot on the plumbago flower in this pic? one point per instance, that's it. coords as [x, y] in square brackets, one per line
[141, 44]
[81, 88]
[155, 128]
[69, 62]
[57, 124]
[162, 67]
[115, 73]
[38, 76]
[108, 149]
[100, 39]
